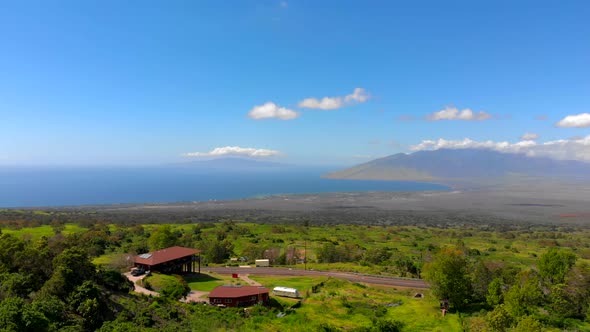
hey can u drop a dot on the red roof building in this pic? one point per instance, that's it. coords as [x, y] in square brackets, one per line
[238, 296]
[170, 260]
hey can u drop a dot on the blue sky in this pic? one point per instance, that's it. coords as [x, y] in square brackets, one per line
[136, 82]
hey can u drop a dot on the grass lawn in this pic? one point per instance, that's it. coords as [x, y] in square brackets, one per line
[159, 281]
[302, 284]
[205, 282]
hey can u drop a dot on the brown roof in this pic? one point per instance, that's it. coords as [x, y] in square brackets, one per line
[240, 291]
[165, 255]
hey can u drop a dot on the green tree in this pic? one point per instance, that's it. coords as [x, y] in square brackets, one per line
[253, 251]
[525, 295]
[53, 308]
[499, 319]
[376, 255]
[162, 238]
[10, 249]
[560, 302]
[18, 316]
[528, 324]
[495, 295]
[86, 301]
[15, 284]
[11, 314]
[555, 264]
[481, 277]
[219, 251]
[327, 253]
[448, 275]
[71, 268]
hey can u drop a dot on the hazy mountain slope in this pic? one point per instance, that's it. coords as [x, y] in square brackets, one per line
[461, 164]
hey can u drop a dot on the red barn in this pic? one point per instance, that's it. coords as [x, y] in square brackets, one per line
[238, 296]
[170, 260]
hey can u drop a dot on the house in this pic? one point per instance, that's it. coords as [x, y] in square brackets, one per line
[170, 260]
[238, 296]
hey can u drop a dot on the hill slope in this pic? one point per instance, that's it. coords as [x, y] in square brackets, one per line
[462, 164]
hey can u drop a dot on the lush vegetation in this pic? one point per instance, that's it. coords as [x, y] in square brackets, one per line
[66, 276]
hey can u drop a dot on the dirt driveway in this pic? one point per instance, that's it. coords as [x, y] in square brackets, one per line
[138, 288]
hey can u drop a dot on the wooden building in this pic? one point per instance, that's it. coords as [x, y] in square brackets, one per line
[170, 260]
[238, 296]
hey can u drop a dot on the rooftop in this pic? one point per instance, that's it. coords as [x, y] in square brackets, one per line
[237, 291]
[165, 255]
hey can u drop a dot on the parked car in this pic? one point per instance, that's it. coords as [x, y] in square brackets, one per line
[137, 272]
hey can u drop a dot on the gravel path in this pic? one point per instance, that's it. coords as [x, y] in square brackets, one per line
[195, 296]
[248, 280]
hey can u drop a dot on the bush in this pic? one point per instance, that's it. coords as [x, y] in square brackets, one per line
[177, 289]
[387, 325]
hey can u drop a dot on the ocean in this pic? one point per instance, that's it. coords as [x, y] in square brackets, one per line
[45, 187]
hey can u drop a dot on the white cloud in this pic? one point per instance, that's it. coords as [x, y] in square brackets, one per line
[358, 96]
[577, 148]
[452, 113]
[235, 151]
[529, 137]
[271, 110]
[575, 121]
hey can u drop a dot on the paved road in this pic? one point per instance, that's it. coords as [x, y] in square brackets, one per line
[277, 271]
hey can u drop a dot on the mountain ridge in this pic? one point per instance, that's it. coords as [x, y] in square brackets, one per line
[461, 164]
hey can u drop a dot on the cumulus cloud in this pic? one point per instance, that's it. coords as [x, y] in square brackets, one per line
[452, 113]
[577, 148]
[359, 95]
[271, 110]
[575, 121]
[235, 151]
[529, 137]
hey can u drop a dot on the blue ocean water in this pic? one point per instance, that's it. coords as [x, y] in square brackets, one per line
[29, 187]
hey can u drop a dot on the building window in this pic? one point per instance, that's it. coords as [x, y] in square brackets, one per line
[253, 298]
[227, 300]
[216, 300]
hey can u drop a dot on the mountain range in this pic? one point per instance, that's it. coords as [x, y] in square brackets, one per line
[462, 164]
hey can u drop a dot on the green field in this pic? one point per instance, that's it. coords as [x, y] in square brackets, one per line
[205, 282]
[302, 284]
[340, 304]
[35, 233]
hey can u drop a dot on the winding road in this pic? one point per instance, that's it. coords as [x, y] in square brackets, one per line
[354, 277]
